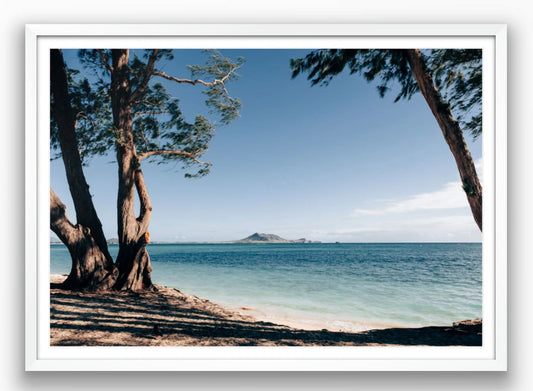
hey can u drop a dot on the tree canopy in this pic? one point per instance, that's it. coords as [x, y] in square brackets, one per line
[457, 75]
[162, 132]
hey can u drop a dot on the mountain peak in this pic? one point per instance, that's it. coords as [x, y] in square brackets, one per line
[262, 237]
[269, 238]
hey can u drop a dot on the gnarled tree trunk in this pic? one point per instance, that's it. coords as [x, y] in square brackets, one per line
[451, 131]
[92, 265]
[133, 261]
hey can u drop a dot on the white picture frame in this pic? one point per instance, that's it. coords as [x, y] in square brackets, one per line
[492, 356]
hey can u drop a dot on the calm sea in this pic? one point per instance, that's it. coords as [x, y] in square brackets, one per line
[336, 286]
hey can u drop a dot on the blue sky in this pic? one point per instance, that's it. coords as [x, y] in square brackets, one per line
[335, 163]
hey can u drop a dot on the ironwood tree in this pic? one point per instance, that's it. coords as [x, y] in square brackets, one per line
[125, 107]
[448, 79]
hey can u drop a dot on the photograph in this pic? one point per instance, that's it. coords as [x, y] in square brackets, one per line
[361, 230]
[301, 195]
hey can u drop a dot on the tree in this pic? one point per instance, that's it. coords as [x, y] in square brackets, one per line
[448, 79]
[92, 265]
[126, 109]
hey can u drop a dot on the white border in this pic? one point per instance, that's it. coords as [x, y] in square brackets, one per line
[491, 356]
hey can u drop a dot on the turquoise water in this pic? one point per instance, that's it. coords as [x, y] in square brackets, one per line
[336, 286]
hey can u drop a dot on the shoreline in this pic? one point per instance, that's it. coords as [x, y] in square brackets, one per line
[307, 322]
[169, 317]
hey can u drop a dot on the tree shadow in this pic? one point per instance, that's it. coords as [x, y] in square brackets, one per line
[78, 318]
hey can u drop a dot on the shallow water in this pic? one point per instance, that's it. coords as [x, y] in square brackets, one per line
[341, 286]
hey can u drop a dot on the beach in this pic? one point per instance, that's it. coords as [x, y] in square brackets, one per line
[168, 317]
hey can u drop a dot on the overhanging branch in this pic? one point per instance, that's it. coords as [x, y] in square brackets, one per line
[188, 81]
[146, 78]
[190, 155]
[104, 61]
[138, 114]
[199, 81]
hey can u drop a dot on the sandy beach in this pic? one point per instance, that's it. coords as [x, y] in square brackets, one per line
[169, 317]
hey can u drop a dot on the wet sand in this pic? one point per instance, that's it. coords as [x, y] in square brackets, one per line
[169, 317]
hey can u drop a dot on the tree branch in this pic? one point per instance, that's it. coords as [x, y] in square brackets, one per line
[215, 82]
[82, 115]
[150, 113]
[146, 78]
[199, 81]
[144, 139]
[145, 212]
[188, 81]
[106, 64]
[60, 223]
[229, 74]
[190, 155]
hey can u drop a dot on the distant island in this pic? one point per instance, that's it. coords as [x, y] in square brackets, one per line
[270, 238]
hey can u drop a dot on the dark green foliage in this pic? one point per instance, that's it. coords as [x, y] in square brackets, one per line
[456, 72]
[374, 64]
[469, 190]
[161, 130]
[458, 76]
[93, 63]
[91, 110]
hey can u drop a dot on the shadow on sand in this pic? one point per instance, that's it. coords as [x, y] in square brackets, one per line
[168, 317]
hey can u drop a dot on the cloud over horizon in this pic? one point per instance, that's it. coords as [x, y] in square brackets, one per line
[455, 228]
[450, 196]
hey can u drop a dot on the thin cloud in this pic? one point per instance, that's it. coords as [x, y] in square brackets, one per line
[450, 196]
[456, 228]
[455, 222]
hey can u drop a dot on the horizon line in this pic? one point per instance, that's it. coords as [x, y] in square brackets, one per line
[314, 242]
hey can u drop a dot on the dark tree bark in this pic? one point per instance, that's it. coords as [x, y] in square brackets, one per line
[133, 261]
[92, 265]
[451, 131]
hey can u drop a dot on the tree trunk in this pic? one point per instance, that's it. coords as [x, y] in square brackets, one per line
[133, 261]
[90, 268]
[451, 131]
[91, 261]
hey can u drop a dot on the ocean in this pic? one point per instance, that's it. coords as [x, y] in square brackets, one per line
[337, 286]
